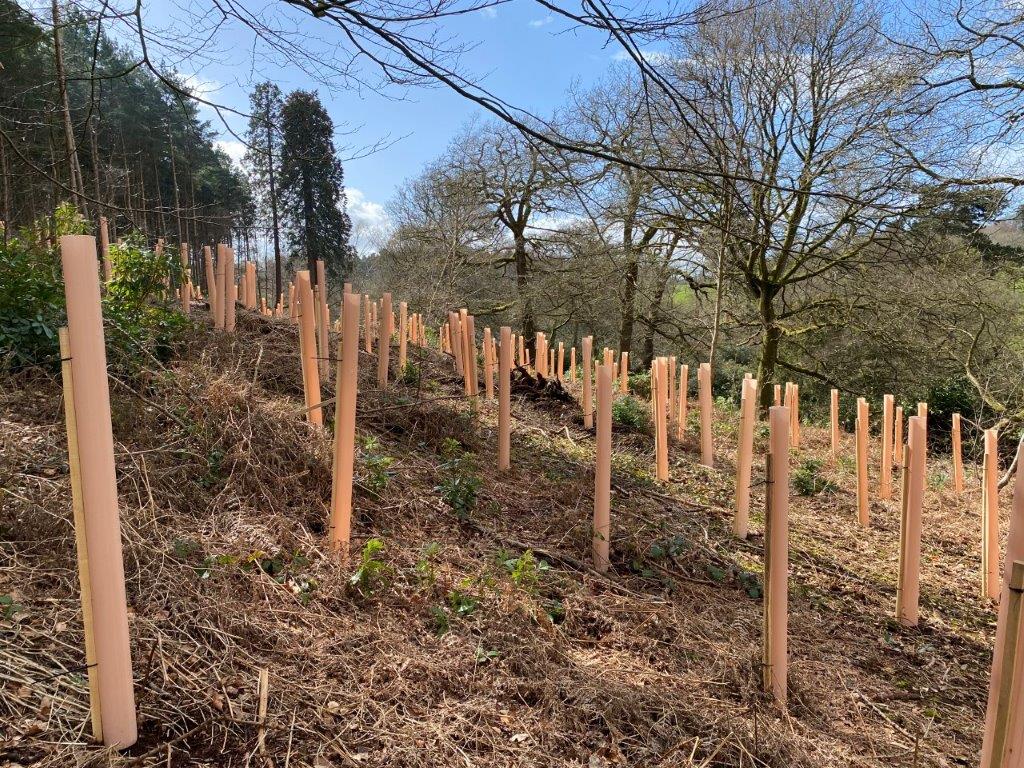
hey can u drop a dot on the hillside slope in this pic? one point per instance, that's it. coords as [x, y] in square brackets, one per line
[476, 635]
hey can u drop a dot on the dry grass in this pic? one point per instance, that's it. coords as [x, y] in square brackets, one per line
[449, 658]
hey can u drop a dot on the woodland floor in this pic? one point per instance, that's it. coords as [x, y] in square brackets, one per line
[453, 656]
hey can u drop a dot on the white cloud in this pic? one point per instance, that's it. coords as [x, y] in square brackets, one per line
[200, 86]
[489, 12]
[232, 148]
[657, 58]
[542, 22]
[370, 221]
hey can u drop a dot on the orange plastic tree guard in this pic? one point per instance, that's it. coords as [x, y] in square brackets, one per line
[835, 422]
[958, 455]
[403, 335]
[572, 365]
[108, 271]
[885, 479]
[322, 325]
[704, 402]
[220, 305]
[588, 403]
[897, 437]
[231, 291]
[624, 373]
[560, 367]
[250, 285]
[908, 582]
[505, 399]
[81, 545]
[455, 341]
[1013, 674]
[384, 342]
[211, 280]
[468, 347]
[609, 358]
[998, 757]
[684, 387]
[340, 528]
[662, 416]
[474, 379]
[99, 490]
[863, 428]
[672, 413]
[601, 535]
[794, 417]
[990, 516]
[367, 324]
[522, 351]
[776, 555]
[307, 309]
[488, 365]
[745, 456]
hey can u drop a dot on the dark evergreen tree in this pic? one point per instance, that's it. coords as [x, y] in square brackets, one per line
[313, 187]
[262, 158]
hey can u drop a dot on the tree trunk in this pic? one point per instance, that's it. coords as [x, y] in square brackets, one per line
[278, 274]
[770, 338]
[307, 222]
[628, 319]
[74, 169]
[527, 321]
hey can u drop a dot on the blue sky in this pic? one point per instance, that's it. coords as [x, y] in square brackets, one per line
[519, 51]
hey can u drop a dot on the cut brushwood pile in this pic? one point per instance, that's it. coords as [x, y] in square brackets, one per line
[468, 629]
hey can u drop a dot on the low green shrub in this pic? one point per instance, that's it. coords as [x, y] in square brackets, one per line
[630, 412]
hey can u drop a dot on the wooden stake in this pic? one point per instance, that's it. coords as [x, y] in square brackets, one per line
[778, 395]
[340, 528]
[99, 490]
[624, 373]
[835, 423]
[1006, 670]
[990, 516]
[505, 399]
[384, 343]
[560, 369]
[81, 545]
[306, 309]
[211, 280]
[572, 365]
[108, 270]
[863, 428]
[776, 555]
[958, 456]
[707, 452]
[186, 281]
[885, 472]
[745, 457]
[908, 582]
[603, 469]
[588, 406]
